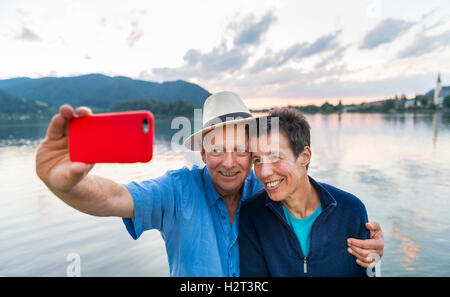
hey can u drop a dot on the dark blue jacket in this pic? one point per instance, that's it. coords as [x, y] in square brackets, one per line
[269, 247]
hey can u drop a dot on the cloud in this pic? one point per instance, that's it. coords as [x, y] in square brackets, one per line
[424, 44]
[221, 59]
[322, 84]
[206, 65]
[297, 52]
[250, 32]
[336, 55]
[28, 35]
[386, 31]
[334, 87]
[135, 34]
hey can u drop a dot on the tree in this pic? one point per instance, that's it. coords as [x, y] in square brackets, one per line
[422, 99]
[388, 105]
[327, 108]
[447, 102]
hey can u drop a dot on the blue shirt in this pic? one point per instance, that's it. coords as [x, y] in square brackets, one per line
[193, 220]
[268, 246]
[302, 227]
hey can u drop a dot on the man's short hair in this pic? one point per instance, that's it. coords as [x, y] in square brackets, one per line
[293, 125]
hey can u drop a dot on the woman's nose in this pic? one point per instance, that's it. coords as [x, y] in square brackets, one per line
[265, 170]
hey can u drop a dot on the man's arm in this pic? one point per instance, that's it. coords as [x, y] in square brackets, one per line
[70, 181]
[362, 249]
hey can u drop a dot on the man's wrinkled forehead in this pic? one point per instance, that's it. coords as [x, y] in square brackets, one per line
[229, 136]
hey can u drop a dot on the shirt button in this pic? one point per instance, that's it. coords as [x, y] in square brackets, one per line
[223, 217]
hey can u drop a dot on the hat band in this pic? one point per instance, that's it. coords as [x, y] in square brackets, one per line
[223, 118]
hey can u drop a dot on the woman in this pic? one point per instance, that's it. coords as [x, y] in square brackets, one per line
[296, 226]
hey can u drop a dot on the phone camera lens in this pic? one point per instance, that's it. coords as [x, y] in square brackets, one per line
[145, 126]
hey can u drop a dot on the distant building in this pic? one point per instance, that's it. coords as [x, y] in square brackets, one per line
[374, 104]
[350, 108]
[409, 103]
[438, 101]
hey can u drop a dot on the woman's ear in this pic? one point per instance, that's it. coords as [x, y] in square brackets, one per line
[305, 157]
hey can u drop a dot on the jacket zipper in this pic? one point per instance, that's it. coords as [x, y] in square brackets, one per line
[305, 258]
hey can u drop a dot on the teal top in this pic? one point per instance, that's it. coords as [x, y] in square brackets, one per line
[302, 227]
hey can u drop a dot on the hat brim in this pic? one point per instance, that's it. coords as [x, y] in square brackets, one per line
[194, 141]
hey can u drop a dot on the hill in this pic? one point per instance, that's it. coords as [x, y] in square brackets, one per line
[10, 104]
[97, 90]
[445, 91]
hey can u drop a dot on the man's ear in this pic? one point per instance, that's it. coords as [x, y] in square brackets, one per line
[203, 153]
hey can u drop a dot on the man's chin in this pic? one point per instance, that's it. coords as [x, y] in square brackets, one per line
[231, 186]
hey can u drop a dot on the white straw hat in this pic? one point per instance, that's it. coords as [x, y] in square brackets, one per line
[220, 109]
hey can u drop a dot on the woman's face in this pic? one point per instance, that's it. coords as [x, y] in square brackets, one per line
[277, 168]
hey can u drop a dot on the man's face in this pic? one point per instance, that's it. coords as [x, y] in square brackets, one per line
[226, 155]
[277, 168]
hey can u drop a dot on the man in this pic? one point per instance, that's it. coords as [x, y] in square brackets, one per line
[296, 226]
[196, 210]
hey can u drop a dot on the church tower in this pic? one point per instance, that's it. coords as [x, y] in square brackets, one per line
[437, 90]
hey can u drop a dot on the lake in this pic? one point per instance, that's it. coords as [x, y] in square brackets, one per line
[397, 164]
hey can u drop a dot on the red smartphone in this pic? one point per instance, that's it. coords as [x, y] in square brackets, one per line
[121, 137]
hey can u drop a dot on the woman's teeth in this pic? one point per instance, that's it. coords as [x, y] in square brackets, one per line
[273, 183]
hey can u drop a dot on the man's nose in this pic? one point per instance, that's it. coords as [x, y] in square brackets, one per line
[228, 160]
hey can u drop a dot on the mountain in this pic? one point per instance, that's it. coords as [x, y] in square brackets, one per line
[10, 104]
[97, 90]
[445, 91]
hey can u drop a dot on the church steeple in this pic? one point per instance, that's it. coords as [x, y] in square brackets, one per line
[437, 90]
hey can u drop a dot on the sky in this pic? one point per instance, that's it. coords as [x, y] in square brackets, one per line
[272, 53]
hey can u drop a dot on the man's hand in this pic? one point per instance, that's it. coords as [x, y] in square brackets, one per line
[362, 249]
[53, 165]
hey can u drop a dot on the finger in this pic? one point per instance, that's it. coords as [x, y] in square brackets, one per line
[362, 253]
[56, 127]
[66, 111]
[367, 258]
[78, 171]
[78, 168]
[373, 226]
[364, 264]
[83, 111]
[373, 243]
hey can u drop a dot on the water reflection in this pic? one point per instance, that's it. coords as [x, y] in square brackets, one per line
[435, 129]
[410, 250]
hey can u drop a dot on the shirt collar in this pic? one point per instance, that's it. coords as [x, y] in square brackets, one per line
[213, 196]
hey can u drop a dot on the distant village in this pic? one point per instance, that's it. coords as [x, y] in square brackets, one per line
[438, 99]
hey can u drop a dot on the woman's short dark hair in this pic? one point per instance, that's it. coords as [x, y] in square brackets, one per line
[293, 125]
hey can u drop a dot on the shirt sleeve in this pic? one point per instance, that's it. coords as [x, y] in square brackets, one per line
[251, 258]
[154, 205]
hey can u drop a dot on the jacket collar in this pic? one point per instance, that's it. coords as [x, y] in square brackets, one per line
[326, 199]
